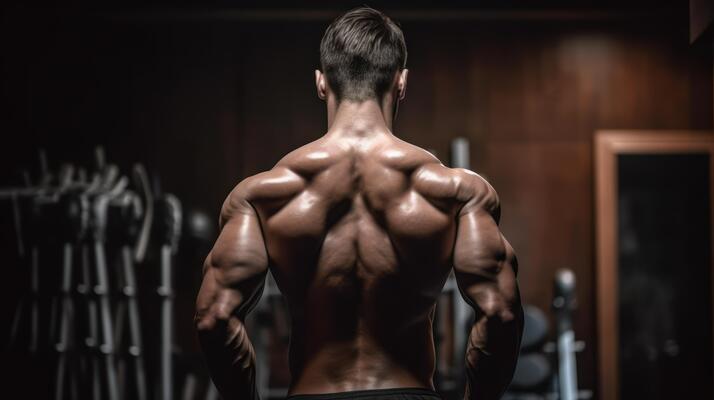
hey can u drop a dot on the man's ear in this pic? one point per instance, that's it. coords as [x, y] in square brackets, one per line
[402, 84]
[320, 85]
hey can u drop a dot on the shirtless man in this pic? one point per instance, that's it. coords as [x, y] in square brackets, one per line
[360, 230]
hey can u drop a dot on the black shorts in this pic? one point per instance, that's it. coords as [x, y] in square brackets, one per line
[378, 394]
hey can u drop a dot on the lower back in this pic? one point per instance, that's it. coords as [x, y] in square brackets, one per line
[368, 360]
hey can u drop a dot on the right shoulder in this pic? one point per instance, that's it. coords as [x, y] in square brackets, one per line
[477, 194]
[467, 188]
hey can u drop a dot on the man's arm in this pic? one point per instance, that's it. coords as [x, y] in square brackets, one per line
[485, 267]
[233, 279]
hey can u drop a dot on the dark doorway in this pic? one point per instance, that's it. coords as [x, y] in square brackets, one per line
[664, 254]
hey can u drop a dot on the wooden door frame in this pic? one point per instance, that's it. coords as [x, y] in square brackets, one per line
[608, 145]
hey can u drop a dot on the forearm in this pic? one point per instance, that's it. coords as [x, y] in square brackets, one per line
[230, 357]
[491, 355]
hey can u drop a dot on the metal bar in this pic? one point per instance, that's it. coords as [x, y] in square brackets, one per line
[107, 345]
[460, 157]
[135, 348]
[91, 337]
[564, 304]
[62, 345]
[567, 379]
[165, 292]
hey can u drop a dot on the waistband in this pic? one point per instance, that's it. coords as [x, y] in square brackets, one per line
[376, 394]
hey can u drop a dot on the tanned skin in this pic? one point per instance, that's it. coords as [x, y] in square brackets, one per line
[360, 230]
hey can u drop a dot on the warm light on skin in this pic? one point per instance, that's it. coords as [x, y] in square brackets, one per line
[277, 180]
[318, 155]
[409, 206]
[393, 154]
[244, 228]
[430, 175]
[306, 201]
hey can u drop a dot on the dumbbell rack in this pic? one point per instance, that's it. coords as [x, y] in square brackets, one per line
[92, 313]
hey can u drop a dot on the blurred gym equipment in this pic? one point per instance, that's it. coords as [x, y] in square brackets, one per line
[546, 369]
[85, 317]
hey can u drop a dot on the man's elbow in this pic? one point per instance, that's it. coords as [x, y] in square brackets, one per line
[500, 307]
[209, 317]
[216, 315]
[509, 323]
[204, 321]
[511, 314]
[513, 309]
[516, 319]
[503, 327]
[213, 305]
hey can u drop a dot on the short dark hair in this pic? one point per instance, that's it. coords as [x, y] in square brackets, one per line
[360, 53]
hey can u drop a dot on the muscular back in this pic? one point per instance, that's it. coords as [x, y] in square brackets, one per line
[360, 233]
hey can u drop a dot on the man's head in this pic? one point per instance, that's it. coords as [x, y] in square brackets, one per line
[363, 57]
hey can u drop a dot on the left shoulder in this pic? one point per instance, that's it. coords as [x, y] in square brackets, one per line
[310, 159]
[275, 184]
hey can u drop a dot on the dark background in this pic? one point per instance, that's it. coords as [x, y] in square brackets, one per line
[206, 94]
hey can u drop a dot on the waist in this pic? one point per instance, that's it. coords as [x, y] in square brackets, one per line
[348, 369]
[405, 393]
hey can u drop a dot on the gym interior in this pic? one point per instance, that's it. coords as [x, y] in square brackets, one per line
[593, 120]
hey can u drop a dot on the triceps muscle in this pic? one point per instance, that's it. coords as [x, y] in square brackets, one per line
[485, 268]
[234, 271]
[484, 263]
